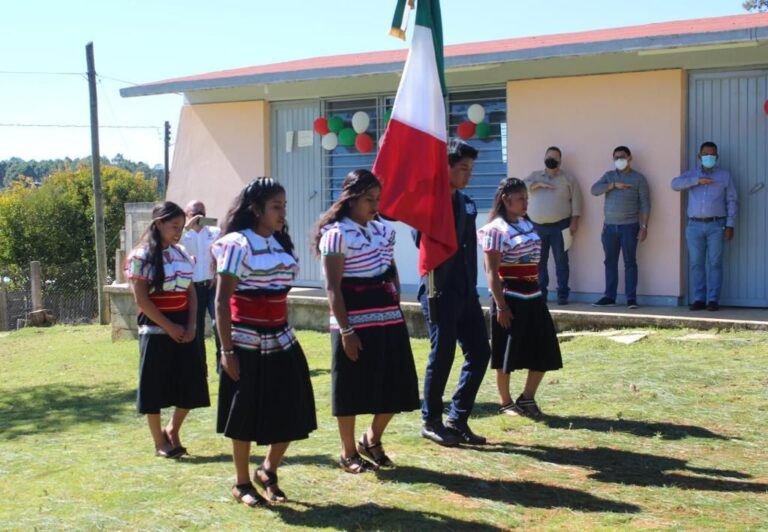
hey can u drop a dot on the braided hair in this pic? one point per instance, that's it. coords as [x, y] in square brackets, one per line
[509, 185]
[355, 185]
[153, 240]
[250, 201]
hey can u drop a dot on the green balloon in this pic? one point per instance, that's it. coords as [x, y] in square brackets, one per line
[347, 136]
[387, 116]
[335, 124]
[483, 130]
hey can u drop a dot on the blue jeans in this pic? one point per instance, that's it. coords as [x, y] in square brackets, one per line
[552, 237]
[705, 255]
[620, 239]
[460, 318]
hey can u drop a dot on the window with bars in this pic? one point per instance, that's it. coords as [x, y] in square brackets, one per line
[490, 167]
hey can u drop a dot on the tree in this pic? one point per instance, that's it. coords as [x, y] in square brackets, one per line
[756, 5]
[53, 223]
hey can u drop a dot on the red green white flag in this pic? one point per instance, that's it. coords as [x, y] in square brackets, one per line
[412, 162]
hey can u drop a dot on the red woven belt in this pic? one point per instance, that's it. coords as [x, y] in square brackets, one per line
[265, 310]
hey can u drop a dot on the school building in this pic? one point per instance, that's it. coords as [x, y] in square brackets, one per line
[660, 89]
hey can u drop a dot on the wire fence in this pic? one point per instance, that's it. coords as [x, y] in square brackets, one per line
[68, 294]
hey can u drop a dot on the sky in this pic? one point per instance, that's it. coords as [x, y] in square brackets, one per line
[42, 53]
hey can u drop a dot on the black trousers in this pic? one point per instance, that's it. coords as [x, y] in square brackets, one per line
[206, 296]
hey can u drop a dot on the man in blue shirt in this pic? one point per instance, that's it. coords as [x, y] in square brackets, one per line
[712, 202]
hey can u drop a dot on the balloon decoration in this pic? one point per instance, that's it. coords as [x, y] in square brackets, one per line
[476, 113]
[330, 141]
[336, 132]
[347, 136]
[335, 124]
[466, 129]
[364, 143]
[360, 122]
[483, 130]
[320, 125]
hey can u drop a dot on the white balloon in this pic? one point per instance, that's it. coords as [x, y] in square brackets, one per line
[330, 141]
[476, 113]
[360, 122]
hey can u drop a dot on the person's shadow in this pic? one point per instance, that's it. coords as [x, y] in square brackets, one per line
[522, 493]
[370, 516]
[637, 469]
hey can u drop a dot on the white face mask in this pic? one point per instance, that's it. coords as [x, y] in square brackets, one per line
[620, 164]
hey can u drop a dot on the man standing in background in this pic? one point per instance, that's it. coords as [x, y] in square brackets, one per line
[197, 240]
[554, 205]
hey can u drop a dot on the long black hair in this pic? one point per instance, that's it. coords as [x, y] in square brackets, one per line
[249, 203]
[509, 185]
[356, 184]
[152, 239]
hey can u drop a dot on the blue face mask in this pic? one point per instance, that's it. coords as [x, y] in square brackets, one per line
[708, 161]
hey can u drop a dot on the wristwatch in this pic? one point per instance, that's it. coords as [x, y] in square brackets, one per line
[644, 226]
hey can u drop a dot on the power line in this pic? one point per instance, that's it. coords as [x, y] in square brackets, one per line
[39, 73]
[80, 125]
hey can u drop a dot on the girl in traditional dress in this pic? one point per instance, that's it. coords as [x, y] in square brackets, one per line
[171, 372]
[372, 370]
[265, 393]
[522, 332]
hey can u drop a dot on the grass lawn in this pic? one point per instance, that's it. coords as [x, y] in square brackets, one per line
[663, 433]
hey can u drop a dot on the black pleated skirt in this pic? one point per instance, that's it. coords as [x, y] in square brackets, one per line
[273, 401]
[170, 374]
[530, 343]
[383, 379]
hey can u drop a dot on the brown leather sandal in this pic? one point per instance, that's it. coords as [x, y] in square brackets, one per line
[356, 465]
[375, 453]
[246, 493]
[274, 493]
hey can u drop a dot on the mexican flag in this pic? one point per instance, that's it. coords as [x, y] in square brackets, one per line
[412, 162]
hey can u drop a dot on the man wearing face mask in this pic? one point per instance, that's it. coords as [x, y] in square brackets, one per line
[627, 211]
[554, 205]
[712, 203]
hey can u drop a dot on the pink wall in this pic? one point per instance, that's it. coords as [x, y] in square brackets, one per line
[587, 117]
[219, 148]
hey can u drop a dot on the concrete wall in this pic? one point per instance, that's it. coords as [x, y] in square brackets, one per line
[587, 117]
[219, 148]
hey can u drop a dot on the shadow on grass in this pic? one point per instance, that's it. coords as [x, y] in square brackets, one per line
[56, 407]
[522, 493]
[316, 372]
[666, 431]
[636, 469]
[371, 516]
[257, 455]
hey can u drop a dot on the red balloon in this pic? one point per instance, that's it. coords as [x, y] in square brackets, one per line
[364, 143]
[320, 125]
[466, 130]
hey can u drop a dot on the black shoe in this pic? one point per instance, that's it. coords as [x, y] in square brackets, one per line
[632, 304]
[604, 302]
[697, 305]
[713, 306]
[464, 432]
[562, 301]
[436, 432]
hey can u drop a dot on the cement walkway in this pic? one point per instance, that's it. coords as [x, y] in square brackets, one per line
[580, 316]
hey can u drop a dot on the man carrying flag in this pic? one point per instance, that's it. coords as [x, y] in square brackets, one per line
[420, 189]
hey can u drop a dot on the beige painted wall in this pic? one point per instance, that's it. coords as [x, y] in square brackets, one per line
[587, 117]
[219, 148]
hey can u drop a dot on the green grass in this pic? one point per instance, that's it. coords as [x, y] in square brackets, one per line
[659, 434]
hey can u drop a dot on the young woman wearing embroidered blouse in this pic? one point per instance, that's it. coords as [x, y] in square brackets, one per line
[522, 332]
[265, 393]
[372, 370]
[171, 373]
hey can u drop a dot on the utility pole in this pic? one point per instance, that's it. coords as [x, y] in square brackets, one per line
[98, 198]
[167, 146]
